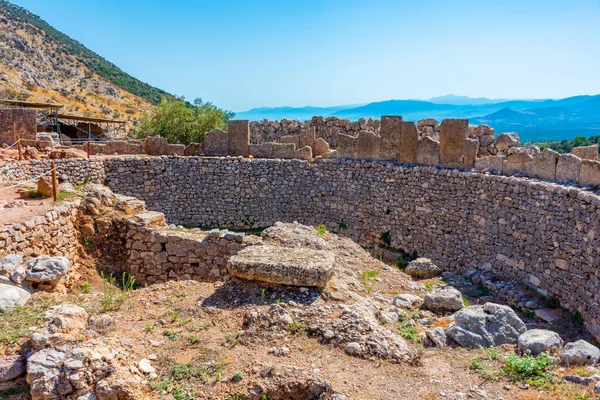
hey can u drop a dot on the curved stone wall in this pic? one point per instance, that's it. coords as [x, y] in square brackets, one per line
[524, 229]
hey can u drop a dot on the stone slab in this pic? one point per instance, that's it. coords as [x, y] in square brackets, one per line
[321, 147]
[428, 152]
[238, 137]
[291, 266]
[589, 173]
[568, 167]
[25, 123]
[175, 149]
[368, 146]
[453, 136]
[409, 142]
[216, 143]
[389, 132]
[491, 163]
[518, 163]
[294, 139]
[6, 126]
[586, 152]
[304, 153]
[471, 148]
[347, 146]
[194, 149]
[307, 137]
[544, 164]
[157, 146]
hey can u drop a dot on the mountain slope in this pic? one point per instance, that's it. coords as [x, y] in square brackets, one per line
[39, 63]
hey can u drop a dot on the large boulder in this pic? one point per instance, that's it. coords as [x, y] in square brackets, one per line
[11, 367]
[66, 318]
[580, 353]
[536, 341]
[12, 297]
[443, 299]
[9, 263]
[47, 269]
[294, 266]
[407, 301]
[486, 325]
[507, 140]
[422, 268]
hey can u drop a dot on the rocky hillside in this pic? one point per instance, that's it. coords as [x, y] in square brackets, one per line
[40, 63]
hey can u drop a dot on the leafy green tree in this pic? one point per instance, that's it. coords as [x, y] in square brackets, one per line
[580, 141]
[182, 122]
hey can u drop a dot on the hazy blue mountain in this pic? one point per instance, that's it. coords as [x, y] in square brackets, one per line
[535, 120]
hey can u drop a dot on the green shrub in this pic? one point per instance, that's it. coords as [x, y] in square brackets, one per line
[529, 369]
[321, 229]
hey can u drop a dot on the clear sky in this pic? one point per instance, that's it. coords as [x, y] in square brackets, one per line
[241, 54]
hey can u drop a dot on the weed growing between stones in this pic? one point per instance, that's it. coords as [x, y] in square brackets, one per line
[577, 318]
[321, 229]
[296, 327]
[529, 369]
[369, 278]
[113, 297]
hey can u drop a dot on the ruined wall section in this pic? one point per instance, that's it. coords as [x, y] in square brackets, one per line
[541, 232]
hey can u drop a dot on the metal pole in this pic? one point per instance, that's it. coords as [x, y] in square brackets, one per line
[54, 182]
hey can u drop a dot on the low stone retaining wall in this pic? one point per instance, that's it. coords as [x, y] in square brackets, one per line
[71, 170]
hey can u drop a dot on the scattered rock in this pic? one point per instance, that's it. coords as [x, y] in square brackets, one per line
[9, 263]
[145, 367]
[580, 353]
[436, 337]
[353, 348]
[11, 297]
[66, 318]
[536, 341]
[294, 235]
[422, 268]
[548, 315]
[47, 269]
[486, 326]
[11, 367]
[407, 301]
[506, 140]
[443, 299]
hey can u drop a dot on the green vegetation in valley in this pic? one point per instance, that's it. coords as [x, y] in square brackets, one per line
[182, 122]
[565, 146]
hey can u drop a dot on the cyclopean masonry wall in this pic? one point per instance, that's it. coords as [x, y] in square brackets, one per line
[72, 170]
[523, 229]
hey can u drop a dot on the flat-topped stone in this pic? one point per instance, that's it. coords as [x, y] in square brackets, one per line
[150, 218]
[293, 266]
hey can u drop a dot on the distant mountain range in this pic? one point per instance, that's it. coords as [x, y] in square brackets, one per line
[534, 120]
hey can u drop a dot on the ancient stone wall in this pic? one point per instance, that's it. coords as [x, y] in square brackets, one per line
[17, 123]
[73, 171]
[53, 233]
[524, 229]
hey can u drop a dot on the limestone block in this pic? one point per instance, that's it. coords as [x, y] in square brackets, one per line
[586, 152]
[283, 150]
[175, 149]
[134, 148]
[389, 132]
[295, 139]
[25, 124]
[304, 153]
[453, 136]
[506, 140]
[332, 154]
[215, 143]
[156, 146]
[568, 167]
[321, 147]
[262, 150]
[409, 141]
[6, 127]
[428, 152]
[347, 146]
[307, 137]
[491, 163]
[589, 173]
[544, 165]
[518, 163]
[368, 146]
[238, 138]
[194, 149]
[471, 148]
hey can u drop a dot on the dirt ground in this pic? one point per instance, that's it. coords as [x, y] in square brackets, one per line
[15, 208]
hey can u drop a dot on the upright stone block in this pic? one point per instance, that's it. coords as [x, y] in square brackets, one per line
[428, 152]
[590, 173]
[390, 132]
[518, 163]
[368, 146]
[586, 152]
[471, 148]
[544, 165]
[453, 136]
[294, 139]
[409, 142]
[216, 143]
[176, 149]
[238, 137]
[25, 124]
[283, 150]
[321, 147]
[307, 137]
[347, 146]
[157, 146]
[262, 150]
[568, 167]
[6, 126]
[304, 153]
[491, 163]
[194, 149]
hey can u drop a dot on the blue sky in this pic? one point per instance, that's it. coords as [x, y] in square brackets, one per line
[241, 54]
